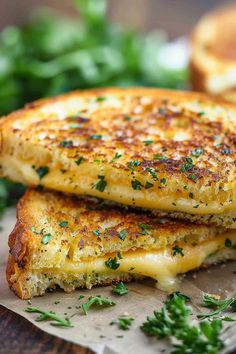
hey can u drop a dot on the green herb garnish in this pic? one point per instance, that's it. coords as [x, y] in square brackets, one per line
[116, 157]
[217, 305]
[148, 185]
[66, 143]
[98, 301]
[173, 320]
[42, 171]
[177, 250]
[133, 164]
[112, 263]
[197, 152]
[54, 319]
[46, 238]
[96, 137]
[101, 184]
[136, 185]
[63, 223]
[120, 289]
[79, 160]
[147, 142]
[123, 322]
[123, 234]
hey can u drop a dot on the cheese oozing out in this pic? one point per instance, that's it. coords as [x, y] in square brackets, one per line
[21, 170]
[162, 265]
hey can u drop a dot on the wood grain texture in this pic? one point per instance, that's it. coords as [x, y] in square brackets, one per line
[19, 336]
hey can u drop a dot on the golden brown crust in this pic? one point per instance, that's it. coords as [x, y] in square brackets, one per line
[92, 229]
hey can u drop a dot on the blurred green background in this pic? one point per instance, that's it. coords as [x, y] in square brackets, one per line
[90, 43]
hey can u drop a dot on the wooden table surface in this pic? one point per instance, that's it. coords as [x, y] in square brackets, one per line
[17, 335]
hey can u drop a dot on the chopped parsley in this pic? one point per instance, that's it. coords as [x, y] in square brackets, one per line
[101, 184]
[197, 152]
[133, 164]
[147, 142]
[177, 250]
[63, 223]
[98, 301]
[173, 320]
[225, 151]
[112, 263]
[66, 143]
[123, 322]
[96, 137]
[127, 118]
[116, 157]
[160, 157]
[192, 176]
[136, 185]
[145, 228]
[229, 244]
[46, 238]
[191, 195]
[152, 173]
[148, 185]
[101, 99]
[217, 305]
[42, 171]
[80, 159]
[189, 164]
[54, 319]
[96, 232]
[123, 234]
[120, 289]
[163, 181]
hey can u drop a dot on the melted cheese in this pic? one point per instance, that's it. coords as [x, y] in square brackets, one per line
[160, 265]
[118, 187]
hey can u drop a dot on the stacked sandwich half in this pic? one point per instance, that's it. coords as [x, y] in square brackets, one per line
[124, 184]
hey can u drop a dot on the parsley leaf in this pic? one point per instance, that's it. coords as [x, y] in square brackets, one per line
[133, 164]
[123, 234]
[42, 171]
[63, 223]
[120, 289]
[116, 157]
[96, 137]
[177, 250]
[49, 315]
[112, 263]
[124, 322]
[46, 238]
[80, 159]
[217, 305]
[66, 143]
[136, 185]
[101, 184]
[96, 300]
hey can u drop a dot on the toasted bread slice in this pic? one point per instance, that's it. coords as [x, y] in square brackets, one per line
[157, 149]
[73, 243]
[213, 58]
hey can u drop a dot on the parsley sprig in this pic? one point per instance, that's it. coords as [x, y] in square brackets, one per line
[51, 316]
[217, 305]
[173, 320]
[98, 301]
[123, 322]
[120, 289]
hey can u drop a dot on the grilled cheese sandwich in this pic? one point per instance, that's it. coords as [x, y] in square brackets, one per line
[69, 242]
[213, 54]
[149, 148]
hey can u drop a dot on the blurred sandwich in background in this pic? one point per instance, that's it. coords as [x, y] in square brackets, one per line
[213, 53]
